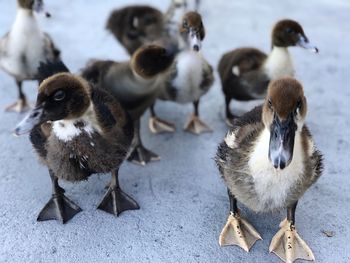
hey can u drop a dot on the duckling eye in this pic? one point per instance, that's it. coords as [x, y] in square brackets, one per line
[298, 107]
[59, 95]
[185, 24]
[270, 104]
[289, 30]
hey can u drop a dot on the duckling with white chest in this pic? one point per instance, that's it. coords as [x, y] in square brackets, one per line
[188, 79]
[23, 47]
[78, 130]
[268, 161]
[246, 72]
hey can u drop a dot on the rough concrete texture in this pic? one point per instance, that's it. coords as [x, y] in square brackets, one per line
[183, 201]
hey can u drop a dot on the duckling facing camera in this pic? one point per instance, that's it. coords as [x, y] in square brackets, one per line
[268, 160]
[246, 72]
[189, 78]
[78, 130]
[135, 84]
[23, 47]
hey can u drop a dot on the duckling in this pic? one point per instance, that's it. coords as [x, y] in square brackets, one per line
[137, 25]
[268, 161]
[78, 130]
[135, 84]
[23, 47]
[246, 72]
[189, 79]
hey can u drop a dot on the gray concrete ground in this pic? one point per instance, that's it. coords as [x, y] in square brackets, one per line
[183, 201]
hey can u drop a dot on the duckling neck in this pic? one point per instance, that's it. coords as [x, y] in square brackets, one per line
[279, 63]
[25, 20]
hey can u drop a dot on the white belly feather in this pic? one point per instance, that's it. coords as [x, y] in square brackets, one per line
[279, 64]
[24, 47]
[272, 186]
[190, 66]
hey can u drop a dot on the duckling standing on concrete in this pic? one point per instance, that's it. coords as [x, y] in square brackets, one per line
[268, 161]
[246, 72]
[23, 47]
[189, 78]
[78, 130]
[135, 84]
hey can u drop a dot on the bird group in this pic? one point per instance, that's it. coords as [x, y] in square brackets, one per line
[89, 123]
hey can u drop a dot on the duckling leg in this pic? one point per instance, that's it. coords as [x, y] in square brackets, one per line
[115, 200]
[157, 125]
[229, 115]
[140, 155]
[21, 105]
[287, 244]
[59, 206]
[195, 125]
[237, 231]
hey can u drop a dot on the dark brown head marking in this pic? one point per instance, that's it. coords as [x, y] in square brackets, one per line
[285, 96]
[63, 96]
[287, 33]
[148, 61]
[192, 20]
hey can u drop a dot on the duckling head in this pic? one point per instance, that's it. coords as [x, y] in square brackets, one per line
[151, 60]
[192, 30]
[33, 5]
[288, 33]
[284, 112]
[61, 96]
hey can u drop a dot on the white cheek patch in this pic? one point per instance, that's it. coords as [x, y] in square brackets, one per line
[230, 140]
[135, 22]
[235, 70]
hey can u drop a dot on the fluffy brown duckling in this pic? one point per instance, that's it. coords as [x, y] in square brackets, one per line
[78, 130]
[23, 47]
[246, 72]
[135, 84]
[137, 25]
[268, 161]
[189, 78]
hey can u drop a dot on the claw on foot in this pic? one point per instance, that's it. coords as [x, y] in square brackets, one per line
[288, 245]
[239, 232]
[157, 125]
[142, 156]
[196, 126]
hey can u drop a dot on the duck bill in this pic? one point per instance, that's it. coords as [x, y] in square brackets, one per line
[195, 41]
[35, 117]
[304, 43]
[281, 145]
[39, 8]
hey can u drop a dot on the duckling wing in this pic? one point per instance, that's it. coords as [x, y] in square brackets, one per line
[241, 74]
[51, 51]
[50, 68]
[112, 118]
[314, 165]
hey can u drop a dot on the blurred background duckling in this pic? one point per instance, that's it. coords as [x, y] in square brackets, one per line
[268, 160]
[78, 130]
[246, 72]
[137, 25]
[135, 84]
[23, 47]
[189, 78]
